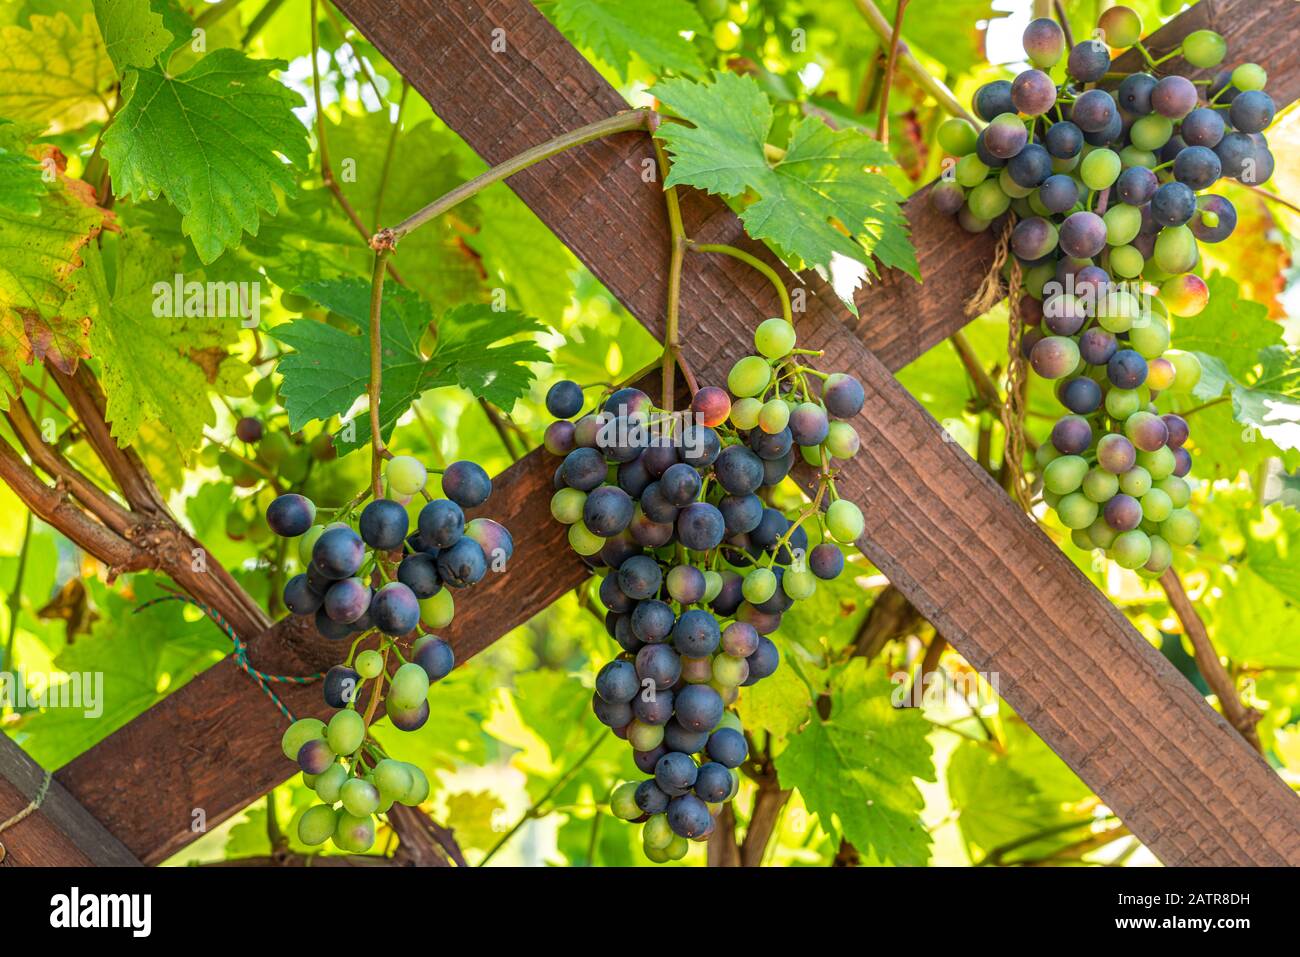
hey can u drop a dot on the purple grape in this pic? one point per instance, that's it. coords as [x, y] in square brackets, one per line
[659, 663]
[583, 469]
[564, 399]
[1031, 239]
[1110, 134]
[383, 524]
[738, 470]
[774, 446]
[1220, 206]
[699, 707]
[675, 773]
[1116, 454]
[686, 584]
[315, 757]
[728, 747]
[843, 395]
[696, 633]
[1063, 140]
[441, 523]
[730, 596]
[1123, 513]
[1058, 193]
[466, 484]
[1126, 369]
[1054, 357]
[559, 437]
[435, 656]
[1174, 96]
[611, 715]
[993, 99]
[652, 620]
[1091, 281]
[646, 760]
[1252, 111]
[618, 549]
[586, 430]
[338, 553]
[1177, 429]
[395, 609]
[461, 565]
[740, 513]
[947, 197]
[340, 686]
[347, 600]
[1221, 89]
[1044, 41]
[1197, 167]
[1081, 396]
[1135, 93]
[640, 577]
[650, 799]
[808, 425]
[1173, 204]
[1237, 154]
[613, 598]
[1173, 146]
[1136, 185]
[764, 623]
[1182, 461]
[740, 639]
[1064, 315]
[495, 540]
[1088, 61]
[1093, 111]
[762, 663]
[1202, 127]
[713, 783]
[299, 597]
[290, 515]
[700, 526]
[608, 510]
[688, 816]
[1072, 434]
[628, 401]
[656, 507]
[648, 533]
[1146, 431]
[1005, 136]
[1083, 235]
[657, 458]
[701, 446]
[1033, 93]
[826, 561]
[656, 709]
[409, 719]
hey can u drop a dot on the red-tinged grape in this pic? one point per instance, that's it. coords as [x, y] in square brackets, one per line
[1146, 431]
[1054, 357]
[1044, 42]
[1005, 136]
[1136, 185]
[1214, 220]
[1134, 93]
[1033, 93]
[1185, 295]
[1182, 462]
[1177, 428]
[1116, 454]
[1096, 346]
[249, 429]
[993, 99]
[558, 437]
[1120, 26]
[1083, 235]
[1072, 435]
[1088, 61]
[712, 405]
[1174, 97]
[1033, 238]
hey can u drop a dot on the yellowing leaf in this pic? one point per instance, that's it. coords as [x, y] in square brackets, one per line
[57, 73]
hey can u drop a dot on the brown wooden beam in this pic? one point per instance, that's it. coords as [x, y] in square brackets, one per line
[58, 833]
[222, 736]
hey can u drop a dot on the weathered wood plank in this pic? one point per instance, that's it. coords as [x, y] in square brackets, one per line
[60, 832]
[221, 735]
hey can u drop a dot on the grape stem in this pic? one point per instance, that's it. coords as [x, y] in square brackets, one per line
[376, 368]
[895, 38]
[672, 317]
[786, 313]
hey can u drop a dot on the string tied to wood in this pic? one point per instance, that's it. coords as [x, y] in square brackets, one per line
[32, 807]
[264, 680]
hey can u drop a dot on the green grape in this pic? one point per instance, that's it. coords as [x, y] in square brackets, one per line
[418, 792]
[744, 413]
[393, 778]
[644, 737]
[759, 586]
[1080, 539]
[987, 201]
[1249, 76]
[749, 377]
[299, 733]
[360, 798]
[567, 504]
[1187, 370]
[1100, 485]
[1156, 505]
[774, 416]
[1122, 224]
[369, 664]
[1179, 492]
[406, 475]
[1136, 482]
[656, 833]
[1101, 534]
[210, 456]
[1065, 474]
[1151, 132]
[1150, 339]
[1132, 156]
[1120, 26]
[410, 686]
[656, 855]
[1121, 403]
[295, 303]
[438, 611]
[1117, 311]
[264, 390]
[330, 783]
[1204, 48]
[1076, 510]
[1175, 250]
[622, 802]
[1160, 463]
[1181, 527]
[712, 10]
[230, 465]
[584, 541]
[1126, 262]
[1038, 277]
[1131, 549]
[844, 521]
[774, 338]
[726, 35]
[812, 453]
[731, 720]
[676, 848]
[354, 834]
[308, 542]
[730, 671]
[799, 584]
[347, 730]
[317, 824]
[274, 448]
[1100, 169]
[1046, 453]
[1066, 165]
[1162, 556]
[957, 137]
[1010, 187]
[842, 441]
[971, 171]
[712, 585]
[293, 469]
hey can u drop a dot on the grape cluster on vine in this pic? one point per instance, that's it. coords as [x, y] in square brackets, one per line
[672, 510]
[381, 579]
[1107, 175]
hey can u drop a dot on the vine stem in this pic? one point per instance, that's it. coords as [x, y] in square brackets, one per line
[882, 117]
[376, 367]
[758, 264]
[677, 255]
[622, 122]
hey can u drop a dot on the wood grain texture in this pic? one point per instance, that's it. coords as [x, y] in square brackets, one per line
[219, 736]
[60, 833]
[938, 526]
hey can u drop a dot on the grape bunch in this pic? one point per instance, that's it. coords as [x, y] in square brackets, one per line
[1107, 175]
[672, 510]
[384, 580]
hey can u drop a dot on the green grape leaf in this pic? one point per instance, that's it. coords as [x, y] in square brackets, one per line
[158, 364]
[57, 73]
[476, 817]
[329, 369]
[134, 35]
[616, 29]
[22, 184]
[1273, 551]
[44, 310]
[859, 765]
[211, 141]
[826, 178]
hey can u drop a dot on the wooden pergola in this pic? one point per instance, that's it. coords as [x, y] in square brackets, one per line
[1182, 779]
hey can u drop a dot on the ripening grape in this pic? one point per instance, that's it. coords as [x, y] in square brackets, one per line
[1121, 26]
[956, 136]
[406, 475]
[844, 521]
[1249, 76]
[774, 338]
[1131, 549]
